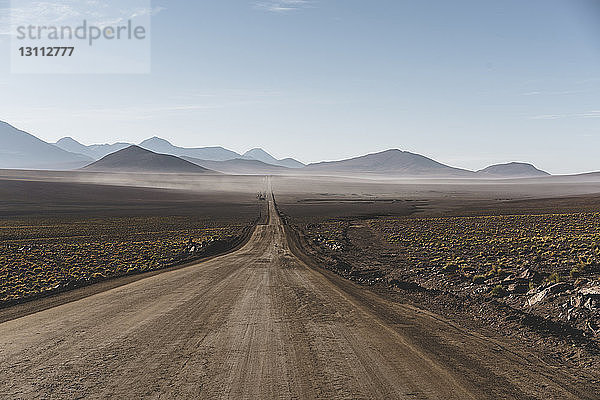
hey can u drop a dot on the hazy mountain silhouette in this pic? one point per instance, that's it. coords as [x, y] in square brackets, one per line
[390, 162]
[73, 146]
[289, 162]
[240, 166]
[95, 151]
[137, 159]
[106, 149]
[163, 146]
[22, 150]
[512, 170]
[261, 155]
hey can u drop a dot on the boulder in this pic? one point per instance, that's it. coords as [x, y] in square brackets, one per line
[588, 297]
[550, 290]
[593, 291]
[590, 304]
[536, 298]
[560, 287]
[518, 288]
[530, 275]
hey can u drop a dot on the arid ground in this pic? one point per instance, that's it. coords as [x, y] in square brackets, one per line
[340, 289]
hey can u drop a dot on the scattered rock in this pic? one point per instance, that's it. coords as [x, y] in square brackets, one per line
[547, 292]
[560, 287]
[593, 291]
[537, 298]
[530, 275]
[590, 304]
[526, 274]
[576, 301]
[592, 327]
[518, 288]
[581, 282]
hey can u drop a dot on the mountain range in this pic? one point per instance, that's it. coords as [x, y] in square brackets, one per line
[391, 162]
[163, 146]
[137, 159]
[261, 155]
[95, 151]
[24, 151]
[240, 166]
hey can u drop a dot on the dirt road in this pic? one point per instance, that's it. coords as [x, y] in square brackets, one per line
[260, 324]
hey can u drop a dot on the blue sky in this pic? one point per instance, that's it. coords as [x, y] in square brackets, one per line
[468, 83]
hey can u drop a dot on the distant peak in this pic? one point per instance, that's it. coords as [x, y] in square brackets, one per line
[513, 164]
[514, 169]
[133, 149]
[67, 139]
[256, 150]
[156, 139]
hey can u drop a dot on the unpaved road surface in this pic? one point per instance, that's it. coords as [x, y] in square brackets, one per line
[260, 324]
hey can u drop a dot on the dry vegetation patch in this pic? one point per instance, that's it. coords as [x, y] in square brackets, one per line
[41, 255]
[545, 265]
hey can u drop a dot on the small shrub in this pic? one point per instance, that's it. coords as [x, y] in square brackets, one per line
[575, 272]
[554, 277]
[450, 268]
[490, 273]
[498, 291]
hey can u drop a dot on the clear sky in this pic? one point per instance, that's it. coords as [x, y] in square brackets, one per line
[468, 83]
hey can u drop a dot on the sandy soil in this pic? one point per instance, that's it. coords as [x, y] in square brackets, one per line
[260, 323]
